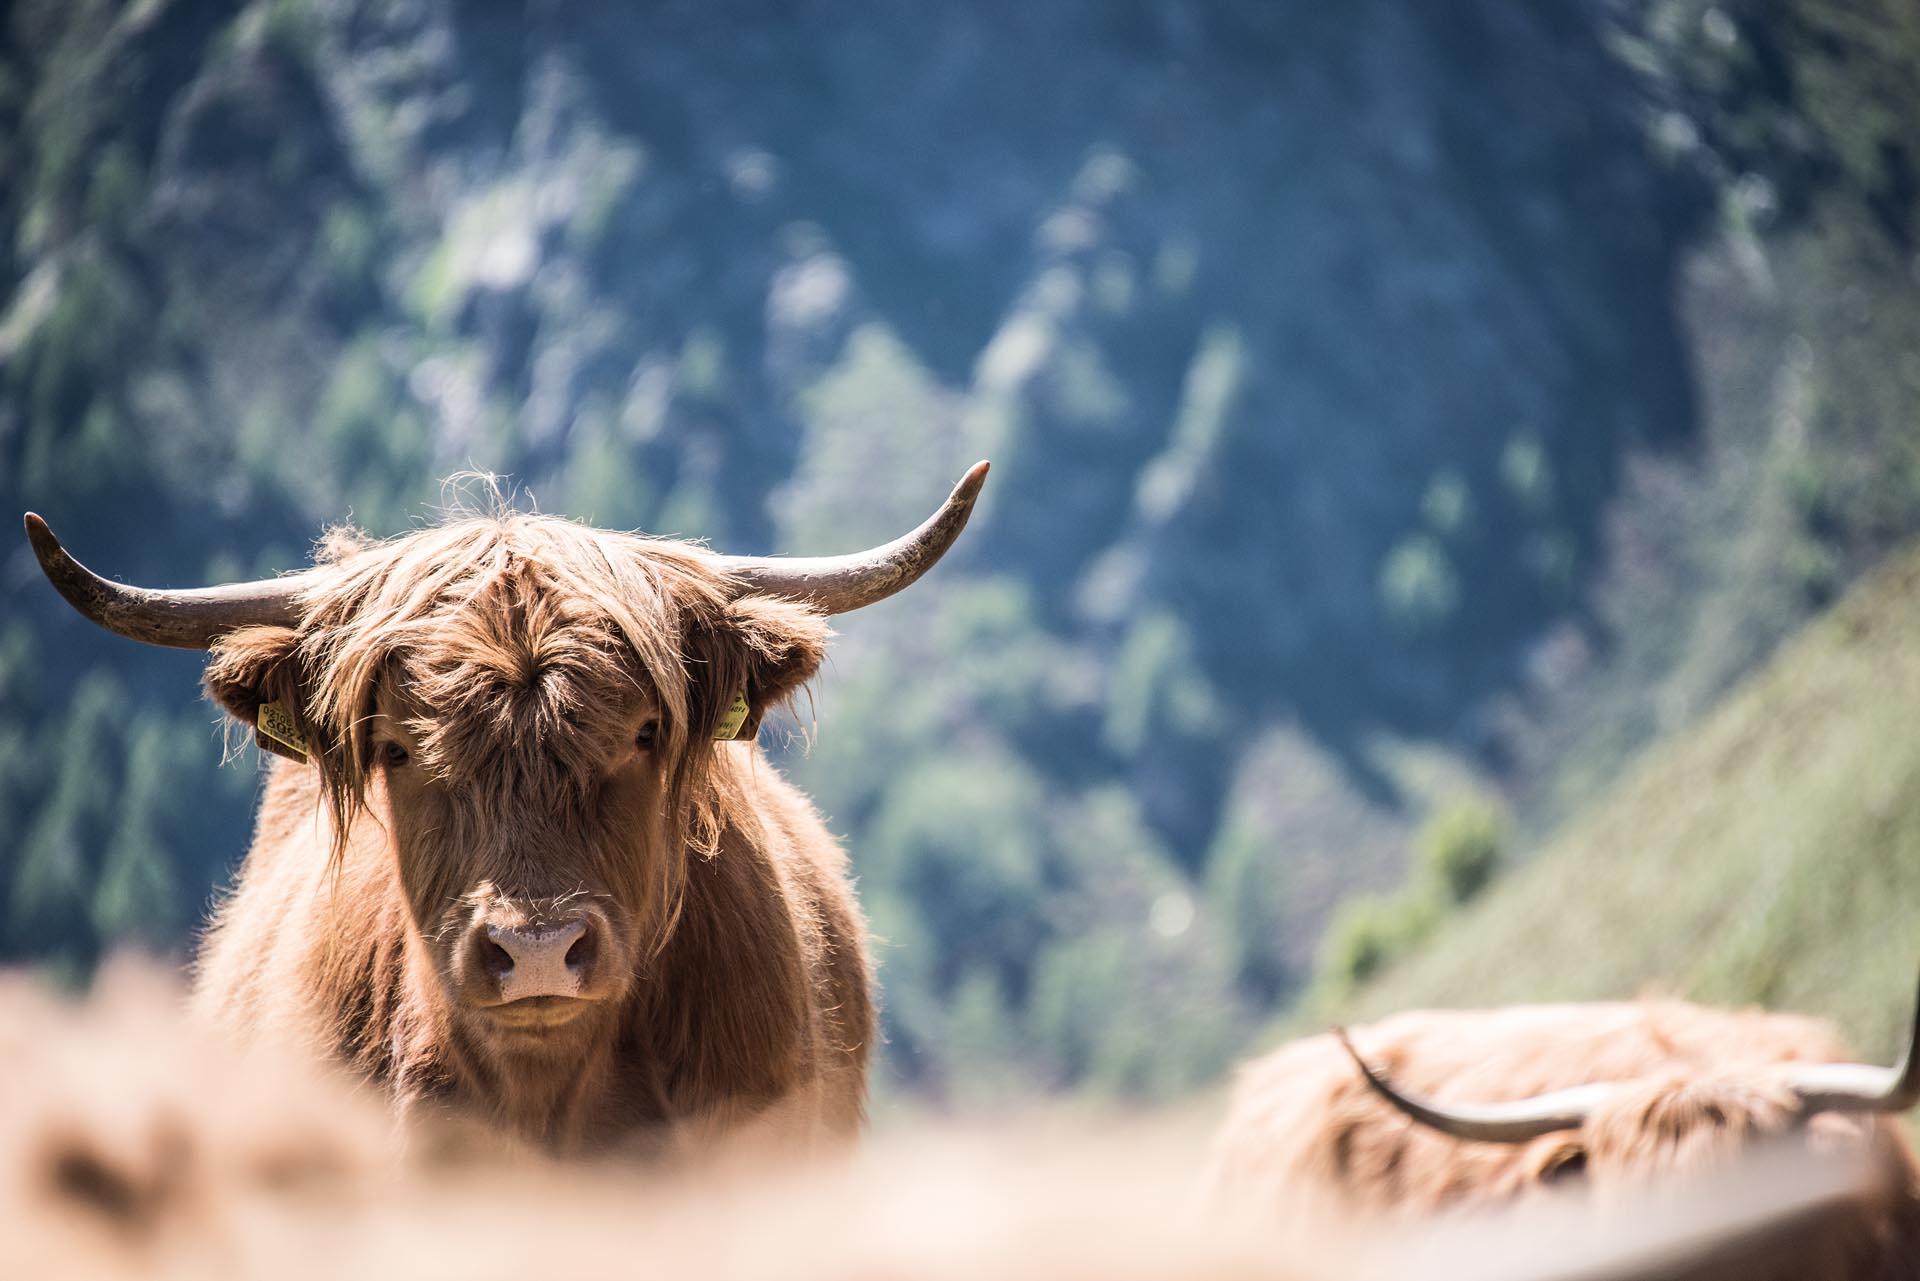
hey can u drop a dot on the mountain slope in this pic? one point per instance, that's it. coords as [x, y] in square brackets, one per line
[1769, 854]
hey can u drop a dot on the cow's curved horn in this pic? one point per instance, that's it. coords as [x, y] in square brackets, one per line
[186, 619]
[841, 584]
[1516, 1122]
[1819, 1087]
[1861, 1087]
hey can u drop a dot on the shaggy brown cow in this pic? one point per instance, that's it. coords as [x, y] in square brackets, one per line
[527, 861]
[1619, 1094]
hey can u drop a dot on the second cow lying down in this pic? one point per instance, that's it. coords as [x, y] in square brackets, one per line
[1451, 1109]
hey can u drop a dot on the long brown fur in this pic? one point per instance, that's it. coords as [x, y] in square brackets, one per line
[1703, 1089]
[513, 657]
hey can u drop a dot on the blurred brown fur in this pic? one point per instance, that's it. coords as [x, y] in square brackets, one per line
[1702, 1089]
[136, 1144]
[133, 1144]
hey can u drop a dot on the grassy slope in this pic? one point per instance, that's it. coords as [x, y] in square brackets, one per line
[1768, 854]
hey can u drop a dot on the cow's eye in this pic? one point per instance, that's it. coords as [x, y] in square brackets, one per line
[643, 739]
[392, 755]
[1569, 1162]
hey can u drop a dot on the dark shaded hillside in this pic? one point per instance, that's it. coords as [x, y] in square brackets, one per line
[1800, 316]
[1336, 368]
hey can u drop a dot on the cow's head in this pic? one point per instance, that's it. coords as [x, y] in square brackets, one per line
[1672, 1120]
[530, 714]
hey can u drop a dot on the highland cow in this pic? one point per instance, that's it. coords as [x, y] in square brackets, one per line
[523, 859]
[1606, 1098]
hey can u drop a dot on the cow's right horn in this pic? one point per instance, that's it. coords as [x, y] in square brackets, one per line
[1819, 1087]
[1861, 1087]
[185, 619]
[1516, 1122]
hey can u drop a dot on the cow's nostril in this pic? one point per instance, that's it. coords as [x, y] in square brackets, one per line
[494, 959]
[580, 955]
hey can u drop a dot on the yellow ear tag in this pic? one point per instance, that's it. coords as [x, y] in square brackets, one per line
[277, 731]
[729, 726]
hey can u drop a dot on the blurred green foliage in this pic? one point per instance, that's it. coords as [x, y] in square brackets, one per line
[1457, 853]
[1370, 932]
[1419, 588]
[1461, 848]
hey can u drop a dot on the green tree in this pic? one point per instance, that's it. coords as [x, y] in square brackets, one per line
[1461, 847]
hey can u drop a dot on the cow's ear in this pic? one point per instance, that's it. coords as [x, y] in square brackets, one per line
[761, 652]
[258, 668]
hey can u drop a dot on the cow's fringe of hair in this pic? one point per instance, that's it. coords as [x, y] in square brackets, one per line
[382, 595]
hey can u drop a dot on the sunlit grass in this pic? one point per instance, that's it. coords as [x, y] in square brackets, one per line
[1768, 855]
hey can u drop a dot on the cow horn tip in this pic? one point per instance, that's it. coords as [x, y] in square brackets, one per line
[969, 487]
[40, 534]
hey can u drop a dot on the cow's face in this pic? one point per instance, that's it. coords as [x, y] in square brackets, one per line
[532, 740]
[529, 825]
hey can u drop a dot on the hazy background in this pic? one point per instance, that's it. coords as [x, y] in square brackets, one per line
[1402, 413]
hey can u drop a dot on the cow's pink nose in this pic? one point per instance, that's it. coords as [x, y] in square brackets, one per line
[551, 959]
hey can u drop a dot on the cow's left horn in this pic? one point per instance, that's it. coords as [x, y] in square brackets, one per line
[1515, 1122]
[841, 584]
[186, 619]
[1861, 1087]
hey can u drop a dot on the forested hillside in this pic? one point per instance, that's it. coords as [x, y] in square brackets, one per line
[1397, 409]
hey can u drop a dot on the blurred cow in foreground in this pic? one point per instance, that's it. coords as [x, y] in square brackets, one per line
[134, 1144]
[1604, 1098]
[137, 1145]
[525, 860]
